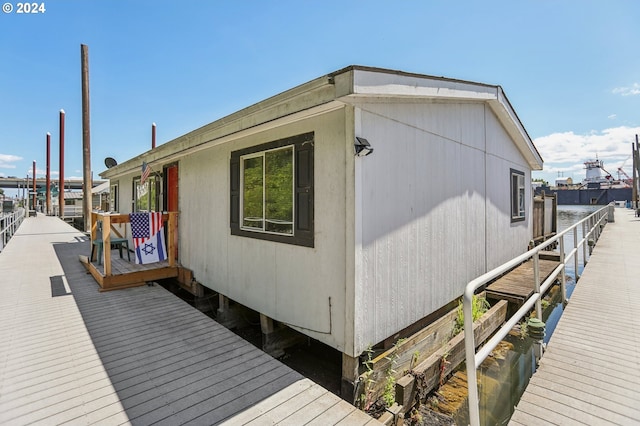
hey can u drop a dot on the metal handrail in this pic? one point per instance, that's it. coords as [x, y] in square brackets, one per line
[474, 359]
[69, 211]
[11, 223]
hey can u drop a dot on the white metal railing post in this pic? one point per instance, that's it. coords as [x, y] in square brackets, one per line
[584, 244]
[470, 355]
[536, 280]
[563, 277]
[575, 257]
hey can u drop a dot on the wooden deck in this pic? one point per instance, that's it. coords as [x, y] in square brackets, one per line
[126, 274]
[115, 273]
[590, 372]
[71, 354]
[517, 285]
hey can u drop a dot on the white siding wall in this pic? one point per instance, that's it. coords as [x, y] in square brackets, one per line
[289, 283]
[425, 217]
[505, 240]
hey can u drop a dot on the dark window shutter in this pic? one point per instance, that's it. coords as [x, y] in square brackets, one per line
[235, 193]
[304, 193]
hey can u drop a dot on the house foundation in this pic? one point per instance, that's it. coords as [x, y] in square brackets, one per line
[225, 315]
[277, 337]
[350, 373]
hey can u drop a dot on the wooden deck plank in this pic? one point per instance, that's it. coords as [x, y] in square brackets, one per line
[517, 285]
[293, 403]
[590, 372]
[597, 349]
[264, 409]
[127, 357]
[234, 404]
[620, 393]
[337, 413]
[595, 403]
[526, 415]
[586, 369]
[306, 413]
[356, 417]
[548, 409]
[566, 356]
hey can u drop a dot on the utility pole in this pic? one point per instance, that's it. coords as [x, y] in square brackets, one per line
[61, 180]
[48, 182]
[86, 139]
[33, 200]
[636, 172]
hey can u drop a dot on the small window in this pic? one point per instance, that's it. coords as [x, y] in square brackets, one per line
[267, 191]
[146, 195]
[113, 197]
[271, 191]
[517, 196]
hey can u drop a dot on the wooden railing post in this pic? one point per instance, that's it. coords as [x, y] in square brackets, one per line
[106, 244]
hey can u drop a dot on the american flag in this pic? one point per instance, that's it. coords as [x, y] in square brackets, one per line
[146, 169]
[147, 231]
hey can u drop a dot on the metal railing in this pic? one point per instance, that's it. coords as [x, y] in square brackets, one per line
[594, 223]
[9, 223]
[69, 211]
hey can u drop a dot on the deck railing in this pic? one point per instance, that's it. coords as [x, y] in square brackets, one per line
[70, 211]
[9, 224]
[594, 223]
[109, 219]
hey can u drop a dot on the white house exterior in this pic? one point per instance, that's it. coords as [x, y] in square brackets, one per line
[363, 246]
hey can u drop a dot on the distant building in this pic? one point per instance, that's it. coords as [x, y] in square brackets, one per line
[564, 182]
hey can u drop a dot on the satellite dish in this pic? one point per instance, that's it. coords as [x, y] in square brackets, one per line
[110, 162]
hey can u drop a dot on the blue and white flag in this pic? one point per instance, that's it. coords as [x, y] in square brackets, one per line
[147, 230]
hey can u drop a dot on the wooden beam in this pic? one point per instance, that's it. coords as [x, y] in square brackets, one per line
[447, 358]
[106, 240]
[350, 370]
[408, 353]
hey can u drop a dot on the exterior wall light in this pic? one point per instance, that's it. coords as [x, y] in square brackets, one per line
[362, 147]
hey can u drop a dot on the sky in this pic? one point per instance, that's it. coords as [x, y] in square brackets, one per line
[570, 68]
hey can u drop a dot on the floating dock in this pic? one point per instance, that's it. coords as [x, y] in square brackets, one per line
[590, 371]
[71, 354]
[517, 285]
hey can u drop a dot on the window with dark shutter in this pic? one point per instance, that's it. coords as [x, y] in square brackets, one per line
[517, 196]
[271, 191]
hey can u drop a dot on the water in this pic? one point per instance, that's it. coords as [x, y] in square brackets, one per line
[503, 381]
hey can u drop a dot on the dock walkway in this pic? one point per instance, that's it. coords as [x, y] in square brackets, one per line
[590, 372]
[141, 356]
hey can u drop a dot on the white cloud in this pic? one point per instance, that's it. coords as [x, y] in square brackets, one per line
[565, 153]
[612, 116]
[627, 91]
[6, 161]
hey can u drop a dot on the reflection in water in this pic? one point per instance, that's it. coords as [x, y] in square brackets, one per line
[502, 380]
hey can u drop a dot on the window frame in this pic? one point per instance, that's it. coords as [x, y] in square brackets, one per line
[114, 196]
[263, 155]
[517, 198]
[303, 190]
[155, 200]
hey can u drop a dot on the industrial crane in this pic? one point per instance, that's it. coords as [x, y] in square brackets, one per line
[621, 170]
